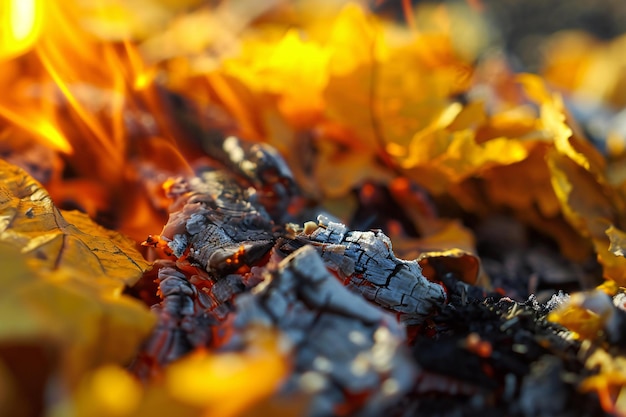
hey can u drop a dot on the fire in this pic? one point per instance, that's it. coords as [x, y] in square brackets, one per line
[96, 105]
[20, 25]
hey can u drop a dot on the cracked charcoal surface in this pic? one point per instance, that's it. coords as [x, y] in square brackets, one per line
[323, 285]
[367, 264]
[351, 346]
[182, 324]
[215, 218]
[534, 368]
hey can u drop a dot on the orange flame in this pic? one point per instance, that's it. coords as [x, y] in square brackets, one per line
[96, 103]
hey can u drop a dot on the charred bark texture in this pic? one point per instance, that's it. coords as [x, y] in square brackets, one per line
[365, 262]
[320, 284]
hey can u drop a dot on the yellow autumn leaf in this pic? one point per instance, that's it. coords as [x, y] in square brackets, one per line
[585, 314]
[466, 157]
[353, 54]
[276, 66]
[349, 169]
[578, 174]
[612, 255]
[351, 40]
[584, 323]
[52, 239]
[585, 204]
[109, 390]
[524, 185]
[360, 84]
[499, 161]
[444, 158]
[586, 66]
[617, 240]
[588, 206]
[214, 382]
[608, 381]
[77, 323]
[553, 120]
[62, 282]
[388, 79]
[206, 384]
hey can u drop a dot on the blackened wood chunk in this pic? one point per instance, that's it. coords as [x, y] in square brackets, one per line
[366, 263]
[343, 345]
[183, 323]
[217, 224]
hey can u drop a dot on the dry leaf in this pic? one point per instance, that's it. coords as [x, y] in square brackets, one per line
[76, 322]
[585, 314]
[364, 87]
[275, 66]
[587, 206]
[590, 207]
[592, 68]
[62, 282]
[462, 264]
[618, 241]
[609, 383]
[201, 384]
[54, 240]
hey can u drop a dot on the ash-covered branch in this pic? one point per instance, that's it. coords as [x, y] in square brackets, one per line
[366, 263]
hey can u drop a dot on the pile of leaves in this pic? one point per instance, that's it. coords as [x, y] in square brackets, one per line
[422, 130]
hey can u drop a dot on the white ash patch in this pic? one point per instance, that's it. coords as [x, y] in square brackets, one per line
[557, 300]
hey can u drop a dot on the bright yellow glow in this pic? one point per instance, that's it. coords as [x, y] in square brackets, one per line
[115, 391]
[23, 14]
[42, 127]
[20, 25]
[54, 136]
